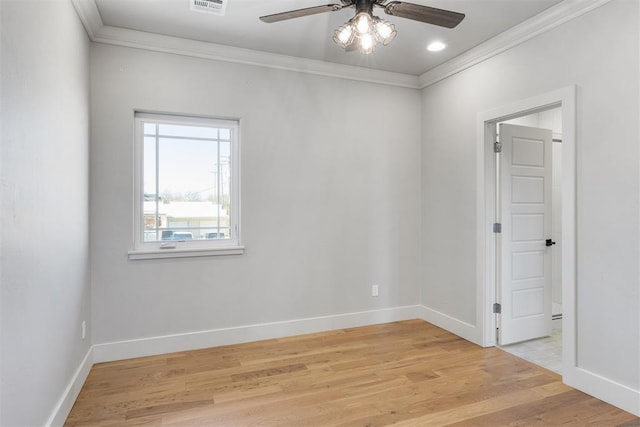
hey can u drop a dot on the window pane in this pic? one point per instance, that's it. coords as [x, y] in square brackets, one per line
[194, 194]
[225, 176]
[150, 191]
[194, 233]
[225, 134]
[187, 170]
[216, 233]
[149, 128]
[188, 131]
[149, 169]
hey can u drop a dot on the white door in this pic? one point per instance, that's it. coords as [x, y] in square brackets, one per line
[525, 197]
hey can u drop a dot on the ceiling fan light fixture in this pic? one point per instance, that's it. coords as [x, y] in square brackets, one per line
[366, 44]
[344, 35]
[363, 23]
[363, 32]
[385, 31]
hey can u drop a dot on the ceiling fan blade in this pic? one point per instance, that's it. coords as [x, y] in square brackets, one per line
[430, 15]
[276, 17]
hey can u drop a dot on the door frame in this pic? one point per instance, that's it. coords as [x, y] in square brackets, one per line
[565, 98]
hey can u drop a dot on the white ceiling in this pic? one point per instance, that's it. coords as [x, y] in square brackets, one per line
[311, 37]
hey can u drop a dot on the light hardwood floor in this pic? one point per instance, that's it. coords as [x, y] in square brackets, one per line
[405, 373]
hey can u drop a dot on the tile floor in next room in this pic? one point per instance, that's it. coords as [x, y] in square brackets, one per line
[545, 352]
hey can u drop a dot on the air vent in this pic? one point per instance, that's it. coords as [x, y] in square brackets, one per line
[215, 7]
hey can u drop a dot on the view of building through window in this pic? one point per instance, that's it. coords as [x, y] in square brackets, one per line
[186, 180]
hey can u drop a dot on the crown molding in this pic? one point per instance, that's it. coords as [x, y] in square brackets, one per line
[544, 21]
[198, 49]
[89, 15]
[100, 33]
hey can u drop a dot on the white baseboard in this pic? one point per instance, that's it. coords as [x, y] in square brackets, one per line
[455, 326]
[119, 350]
[604, 389]
[70, 394]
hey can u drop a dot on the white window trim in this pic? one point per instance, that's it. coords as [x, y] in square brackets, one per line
[184, 249]
[184, 252]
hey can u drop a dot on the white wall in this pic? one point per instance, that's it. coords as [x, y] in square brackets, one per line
[330, 197]
[44, 269]
[599, 52]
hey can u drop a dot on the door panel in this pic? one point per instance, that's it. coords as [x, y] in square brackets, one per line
[527, 152]
[526, 223]
[528, 189]
[528, 302]
[527, 227]
[527, 265]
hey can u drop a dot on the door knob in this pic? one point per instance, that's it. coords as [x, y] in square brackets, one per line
[549, 242]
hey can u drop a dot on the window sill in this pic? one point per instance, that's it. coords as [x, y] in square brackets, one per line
[138, 254]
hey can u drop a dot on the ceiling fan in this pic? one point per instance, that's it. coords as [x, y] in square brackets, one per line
[364, 31]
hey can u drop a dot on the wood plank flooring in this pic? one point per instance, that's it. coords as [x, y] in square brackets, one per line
[404, 373]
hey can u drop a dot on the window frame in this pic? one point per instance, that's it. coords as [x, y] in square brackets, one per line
[184, 248]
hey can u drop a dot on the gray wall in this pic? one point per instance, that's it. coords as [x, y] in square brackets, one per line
[599, 52]
[330, 197]
[44, 268]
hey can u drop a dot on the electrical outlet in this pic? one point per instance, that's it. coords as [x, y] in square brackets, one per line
[374, 290]
[84, 329]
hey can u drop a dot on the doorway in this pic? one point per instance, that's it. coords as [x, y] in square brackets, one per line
[558, 105]
[529, 192]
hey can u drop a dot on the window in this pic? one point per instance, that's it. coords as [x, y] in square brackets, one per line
[187, 192]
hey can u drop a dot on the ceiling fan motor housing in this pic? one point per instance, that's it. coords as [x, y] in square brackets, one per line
[364, 6]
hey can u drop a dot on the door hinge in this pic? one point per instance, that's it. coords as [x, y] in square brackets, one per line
[497, 308]
[497, 147]
[497, 227]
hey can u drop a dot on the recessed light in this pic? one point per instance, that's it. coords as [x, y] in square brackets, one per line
[436, 46]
